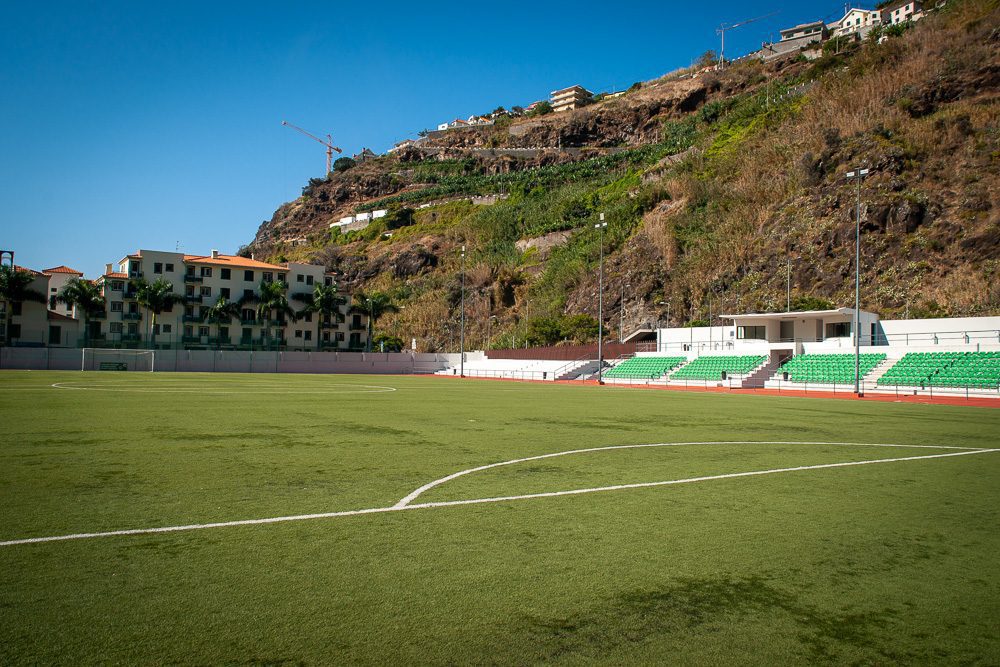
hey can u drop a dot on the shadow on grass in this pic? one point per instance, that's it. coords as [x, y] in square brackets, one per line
[702, 606]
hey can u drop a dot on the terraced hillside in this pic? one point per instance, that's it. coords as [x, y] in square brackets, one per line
[710, 182]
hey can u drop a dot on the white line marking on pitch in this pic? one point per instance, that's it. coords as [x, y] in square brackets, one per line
[250, 389]
[404, 504]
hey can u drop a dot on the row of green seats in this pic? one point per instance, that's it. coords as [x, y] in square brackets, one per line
[979, 370]
[712, 368]
[644, 368]
[830, 368]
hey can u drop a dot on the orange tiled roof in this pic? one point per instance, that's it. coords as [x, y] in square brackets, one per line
[62, 269]
[115, 274]
[60, 317]
[233, 260]
[24, 268]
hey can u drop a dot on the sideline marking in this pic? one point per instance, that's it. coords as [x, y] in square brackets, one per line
[249, 389]
[403, 505]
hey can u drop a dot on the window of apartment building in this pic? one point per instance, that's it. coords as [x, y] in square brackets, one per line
[281, 277]
[188, 311]
[247, 315]
[52, 303]
[248, 276]
[309, 317]
[224, 291]
[247, 333]
[118, 285]
[308, 335]
[190, 270]
[247, 293]
[157, 267]
[168, 328]
[267, 277]
[326, 336]
[226, 273]
[202, 331]
[224, 333]
[170, 267]
[328, 281]
[340, 336]
[299, 278]
[115, 327]
[116, 306]
[298, 333]
[309, 280]
[206, 290]
[15, 330]
[189, 331]
[133, 329]
[133, 307]
[206, 272]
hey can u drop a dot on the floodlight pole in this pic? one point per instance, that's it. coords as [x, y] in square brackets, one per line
[858, 175]
[788, 285]
[621, 318]
[462, 337]
[600, 305]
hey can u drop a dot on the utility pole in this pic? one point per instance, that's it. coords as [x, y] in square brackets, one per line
[788, 286]
[857, 175]
[600, 305]
[621, 318]
[721, 31]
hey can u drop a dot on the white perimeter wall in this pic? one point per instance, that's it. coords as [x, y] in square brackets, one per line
[402, 363]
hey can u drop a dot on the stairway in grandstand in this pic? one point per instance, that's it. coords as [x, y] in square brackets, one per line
[945, 370]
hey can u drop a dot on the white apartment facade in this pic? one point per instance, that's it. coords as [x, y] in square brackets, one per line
[204, 279]
[857, 22]
[570, 98]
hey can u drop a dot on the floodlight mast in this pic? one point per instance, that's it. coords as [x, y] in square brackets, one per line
[330, 148]
[857, 175]
[600, 305]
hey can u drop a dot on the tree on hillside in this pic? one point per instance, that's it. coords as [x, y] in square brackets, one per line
[324, 301]
[374, 305]
[707, 59]
[15, 288]
[271, 299]
[541, 109]
[86, 297]
[223, 311]
[156, 297]
[343, 164]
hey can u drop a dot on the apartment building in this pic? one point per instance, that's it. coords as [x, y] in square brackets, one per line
[857, 23]
[202, 280]
[36, 324]
[570, 98]
[901, 11]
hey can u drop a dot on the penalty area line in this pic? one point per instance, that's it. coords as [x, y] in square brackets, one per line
[473, 501]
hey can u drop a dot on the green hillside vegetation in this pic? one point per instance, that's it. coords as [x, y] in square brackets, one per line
[710, 213]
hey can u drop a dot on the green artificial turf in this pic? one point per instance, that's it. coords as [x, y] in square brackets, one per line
[885, 563]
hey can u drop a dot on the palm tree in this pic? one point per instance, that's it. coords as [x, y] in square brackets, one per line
[222, 311]
[87, 298]
[155, 297]
[271, 298]
[15, 287]
[324, 301]
[374, 305]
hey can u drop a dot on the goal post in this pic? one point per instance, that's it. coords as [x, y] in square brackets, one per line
[105, 359]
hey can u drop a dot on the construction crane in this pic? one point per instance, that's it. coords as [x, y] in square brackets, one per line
[727, 26]
[328, 143]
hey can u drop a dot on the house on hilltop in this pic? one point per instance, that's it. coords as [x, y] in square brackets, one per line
[856, 23]
[796, 38]
[570, 98]
[901, 11]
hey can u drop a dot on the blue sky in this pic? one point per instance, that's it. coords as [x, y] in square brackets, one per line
[158, 125]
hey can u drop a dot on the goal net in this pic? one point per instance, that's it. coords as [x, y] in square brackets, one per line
[100, 359]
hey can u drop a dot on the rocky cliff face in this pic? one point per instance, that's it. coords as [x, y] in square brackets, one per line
[713, 184]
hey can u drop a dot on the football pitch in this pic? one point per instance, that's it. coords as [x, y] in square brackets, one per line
[298, 519]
